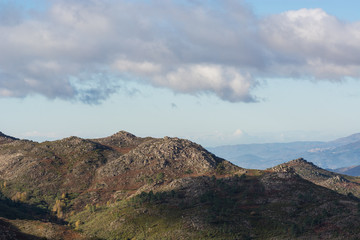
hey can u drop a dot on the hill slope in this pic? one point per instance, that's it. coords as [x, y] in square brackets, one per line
[123, 186]
[340, 183]
[98, 170]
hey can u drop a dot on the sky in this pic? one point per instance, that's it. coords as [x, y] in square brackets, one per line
[215, 72]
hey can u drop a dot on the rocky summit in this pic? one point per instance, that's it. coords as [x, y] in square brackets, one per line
[338, 182]
[128, 187]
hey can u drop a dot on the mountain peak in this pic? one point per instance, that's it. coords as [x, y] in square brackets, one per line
[305, 169]
[299, 162]
[73, 140]
[123, 133]
[120, 139]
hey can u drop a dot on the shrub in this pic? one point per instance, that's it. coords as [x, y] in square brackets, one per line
[77, 225]
[160, 177]
[20, 197]
[58, 208]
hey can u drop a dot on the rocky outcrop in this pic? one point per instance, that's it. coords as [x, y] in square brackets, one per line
[319, 176]
[120, 139]
[305, 169]
[171, 155]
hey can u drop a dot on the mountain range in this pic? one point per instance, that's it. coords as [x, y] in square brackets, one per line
[341, 155]
[127, 187]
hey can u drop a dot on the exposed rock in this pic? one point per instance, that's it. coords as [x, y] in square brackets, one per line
[120, 139]
[319, 176]
[339, 178]
[172, 155]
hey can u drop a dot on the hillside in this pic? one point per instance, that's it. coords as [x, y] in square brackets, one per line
[83, 167]
[340, 183]
[280, 205]
[126, 187]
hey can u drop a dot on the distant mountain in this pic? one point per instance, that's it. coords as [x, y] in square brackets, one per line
[261, 156]
[345, 140]
[352, 170]
[334, 154]
[335, 157]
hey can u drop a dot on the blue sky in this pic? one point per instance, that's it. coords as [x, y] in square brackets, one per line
[216, 72]
[345, 10]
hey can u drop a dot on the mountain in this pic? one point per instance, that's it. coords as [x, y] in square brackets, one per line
[127, 187]
[334, 154]
[261, 156]
[123, 162]
[352, 171]
[346, 140]
[257, 205]
[338, 182]
[336, 157]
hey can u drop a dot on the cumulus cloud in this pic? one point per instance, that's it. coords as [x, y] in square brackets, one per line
[86, 50]
[227, 82]
[312, 43]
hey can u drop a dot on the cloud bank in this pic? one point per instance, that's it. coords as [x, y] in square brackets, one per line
[85, 50]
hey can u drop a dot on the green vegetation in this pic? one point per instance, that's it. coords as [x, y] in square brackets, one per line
[19, 209]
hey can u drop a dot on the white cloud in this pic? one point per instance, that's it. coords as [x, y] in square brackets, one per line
[225, 82]
[238, 133]
[191, 48]
[312, 43]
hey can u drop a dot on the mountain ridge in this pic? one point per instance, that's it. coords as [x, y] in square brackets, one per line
[6, 139]
[123, 186]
